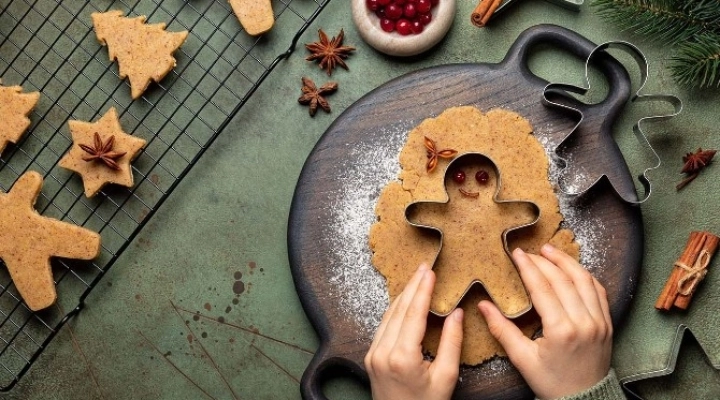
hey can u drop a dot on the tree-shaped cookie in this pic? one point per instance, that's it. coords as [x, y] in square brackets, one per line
[28, 241]
[144, 51]
[15, 107]
[473, 222]
[101, 152]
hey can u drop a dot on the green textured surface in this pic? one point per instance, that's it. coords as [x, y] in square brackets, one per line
[166, 321]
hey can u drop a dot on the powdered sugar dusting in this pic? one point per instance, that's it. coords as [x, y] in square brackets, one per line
[588, 229]
[361, 288]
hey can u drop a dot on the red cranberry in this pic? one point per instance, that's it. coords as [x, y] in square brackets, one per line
[372, 5]
[387, 25]
[417, 27]
[423, 6]
[482, 177]
[403, 27]
[425, 18]
[459, 176]
[435, 2]
[393, 11]
[400, 2]
[409, 11]
[384, 2]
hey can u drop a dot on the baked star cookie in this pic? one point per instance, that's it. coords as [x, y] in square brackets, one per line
[101, 152]
[399, 247]
[15, 107]
[28, 241]
[144, 52]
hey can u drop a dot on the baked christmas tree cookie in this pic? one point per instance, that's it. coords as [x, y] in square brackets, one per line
[28, 241]
[15, 107]
[101, 152]
[144, 52]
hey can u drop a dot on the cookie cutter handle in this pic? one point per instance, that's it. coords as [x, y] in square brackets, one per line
[565, 39]
[323, 363]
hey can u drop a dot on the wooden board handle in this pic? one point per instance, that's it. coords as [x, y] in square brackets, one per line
[319, 368]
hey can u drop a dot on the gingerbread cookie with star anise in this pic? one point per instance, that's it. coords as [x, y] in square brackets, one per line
[101, 153]
[398, 247]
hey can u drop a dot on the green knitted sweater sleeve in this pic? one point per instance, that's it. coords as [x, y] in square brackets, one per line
[607, 389]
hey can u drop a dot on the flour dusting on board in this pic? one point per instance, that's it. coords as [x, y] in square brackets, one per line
[587, 228]
[360, 287]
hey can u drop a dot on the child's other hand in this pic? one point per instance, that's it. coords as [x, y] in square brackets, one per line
[574, 352]
[395, 361]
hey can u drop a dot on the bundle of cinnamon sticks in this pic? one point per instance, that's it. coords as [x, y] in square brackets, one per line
[688, 271]
[483, 11]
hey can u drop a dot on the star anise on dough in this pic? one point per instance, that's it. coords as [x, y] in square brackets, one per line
[103, 152]
[433, 154]
[315, 97]
[694, 163]
[330, 52]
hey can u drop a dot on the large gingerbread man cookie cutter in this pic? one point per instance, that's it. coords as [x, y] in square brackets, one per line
[559, 89]
[495, 198]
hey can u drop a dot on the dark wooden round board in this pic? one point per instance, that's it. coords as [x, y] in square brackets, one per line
[333, 205]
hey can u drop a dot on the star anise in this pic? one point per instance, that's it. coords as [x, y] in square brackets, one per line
[315, 97]
[694, 163]
[103, 152]
[433, 154]
[330, 52]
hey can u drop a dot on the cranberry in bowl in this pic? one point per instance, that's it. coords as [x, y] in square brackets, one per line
[403, 27]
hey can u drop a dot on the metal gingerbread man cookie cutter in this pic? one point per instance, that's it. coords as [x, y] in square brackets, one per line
[639, 57]
[496, 199]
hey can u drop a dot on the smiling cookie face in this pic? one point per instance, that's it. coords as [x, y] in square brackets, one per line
[471, 178]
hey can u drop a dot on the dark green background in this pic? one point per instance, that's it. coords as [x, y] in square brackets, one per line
[166, 323]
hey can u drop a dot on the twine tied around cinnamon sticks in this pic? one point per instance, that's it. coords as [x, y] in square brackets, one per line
[688, 283]
[688, 271]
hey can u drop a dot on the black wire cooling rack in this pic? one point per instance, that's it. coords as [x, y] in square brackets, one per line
[49, 46]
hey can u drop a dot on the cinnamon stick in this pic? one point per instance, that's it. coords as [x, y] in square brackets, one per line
[699, 243]
[711, 244]
[483, 11]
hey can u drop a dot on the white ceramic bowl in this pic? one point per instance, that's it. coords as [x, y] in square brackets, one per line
[395, 44]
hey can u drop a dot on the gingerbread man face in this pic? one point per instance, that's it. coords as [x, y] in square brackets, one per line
[473, 223]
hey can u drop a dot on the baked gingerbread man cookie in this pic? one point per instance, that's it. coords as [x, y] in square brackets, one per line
[28, 241]
[472, 223]
[101, 152]
[15, 107]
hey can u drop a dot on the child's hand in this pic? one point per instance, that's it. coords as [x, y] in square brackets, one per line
[574, 352]
[395, 362]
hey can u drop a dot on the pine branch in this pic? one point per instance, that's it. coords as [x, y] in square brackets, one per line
[669, 21]
[698, 62]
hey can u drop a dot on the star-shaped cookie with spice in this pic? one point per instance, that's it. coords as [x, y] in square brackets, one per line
[101, 153]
